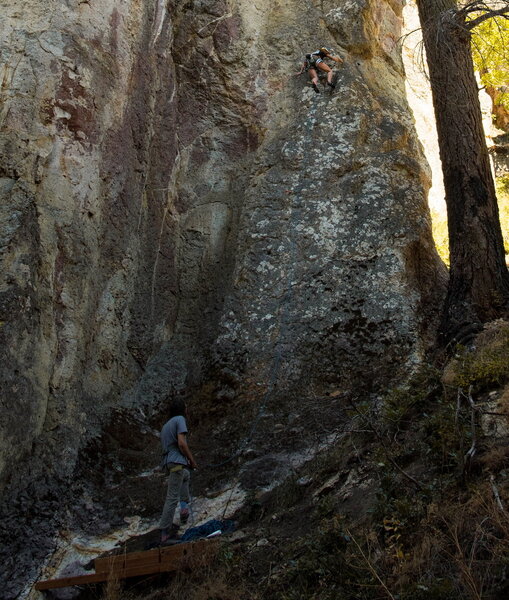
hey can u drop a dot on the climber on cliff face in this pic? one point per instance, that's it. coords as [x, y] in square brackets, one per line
[314, 62]
[177, 462]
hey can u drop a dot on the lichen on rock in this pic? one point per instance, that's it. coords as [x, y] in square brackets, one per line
[178, 212]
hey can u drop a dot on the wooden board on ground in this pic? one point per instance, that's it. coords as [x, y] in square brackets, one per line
[159, 560]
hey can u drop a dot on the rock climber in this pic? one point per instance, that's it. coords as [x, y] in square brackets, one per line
[315, 61]
[177, 462]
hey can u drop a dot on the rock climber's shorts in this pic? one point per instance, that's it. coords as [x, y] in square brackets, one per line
[313, 65]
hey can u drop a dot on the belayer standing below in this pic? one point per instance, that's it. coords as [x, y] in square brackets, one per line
[177, 460]
[315, 61]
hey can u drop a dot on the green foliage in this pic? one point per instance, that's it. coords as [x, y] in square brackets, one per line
[447, 434]
[440, 234]
[490, 51]
[488, 364]
[226, 556]
[399, 402]
[502, 184]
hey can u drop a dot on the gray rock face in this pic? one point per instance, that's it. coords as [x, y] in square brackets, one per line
[176, 208]
[332, 284]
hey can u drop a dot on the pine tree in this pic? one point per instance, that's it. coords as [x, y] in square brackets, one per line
[479, 280]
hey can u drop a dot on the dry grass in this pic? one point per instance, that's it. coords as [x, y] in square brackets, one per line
[202, 583]
[503, 403]
[495, 459]
[444, 539]
[113, 590]
[487, 364]
[465, 544]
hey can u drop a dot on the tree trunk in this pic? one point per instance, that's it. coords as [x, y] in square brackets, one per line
[479, 279]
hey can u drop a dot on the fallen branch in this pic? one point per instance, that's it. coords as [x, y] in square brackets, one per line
[404, 473]
[458, 407]
[473, 448]
[496, 494]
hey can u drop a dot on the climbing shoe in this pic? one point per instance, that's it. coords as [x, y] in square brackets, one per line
[169, 534]
[164, 537]
[315, 87]
[331, 85]
[184, 515]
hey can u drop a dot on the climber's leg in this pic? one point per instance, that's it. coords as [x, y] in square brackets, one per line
[323, 67]
[313, 75]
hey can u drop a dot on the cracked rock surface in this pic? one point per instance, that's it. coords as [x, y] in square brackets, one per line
[179, 212]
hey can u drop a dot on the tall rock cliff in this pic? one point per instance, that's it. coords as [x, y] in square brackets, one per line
[180, 212]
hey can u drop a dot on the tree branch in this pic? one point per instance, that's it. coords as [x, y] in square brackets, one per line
[501, 12]
[489, 11]
[473, 448]
[496, 493]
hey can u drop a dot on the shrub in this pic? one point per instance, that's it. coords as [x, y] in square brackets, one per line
[486, 363]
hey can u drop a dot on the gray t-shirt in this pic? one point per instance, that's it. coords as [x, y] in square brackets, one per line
[169, 440]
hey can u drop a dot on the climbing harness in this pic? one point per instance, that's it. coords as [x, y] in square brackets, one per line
[316, 57]
[175, 468]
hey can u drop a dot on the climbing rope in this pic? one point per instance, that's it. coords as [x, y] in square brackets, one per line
[287, 298]
[286, 304]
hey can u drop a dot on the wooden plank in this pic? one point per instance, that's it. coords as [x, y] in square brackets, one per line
[154, 553]
[148, 557]
[134, 564]
[142, 561]
[68, 581]
[167, 552]
[104, 565]
[133, 571]
[118, 572]
[123, 561]
[175, 554]
[137, 571]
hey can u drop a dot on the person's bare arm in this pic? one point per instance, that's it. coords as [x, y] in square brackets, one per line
[334, 58]
[301, 70]
[184, 448]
